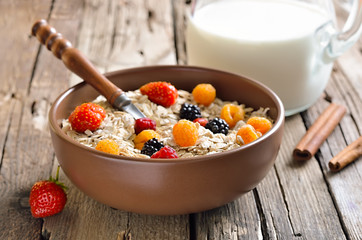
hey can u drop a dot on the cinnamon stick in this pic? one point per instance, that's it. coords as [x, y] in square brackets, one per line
[346, 156]
[318, 132]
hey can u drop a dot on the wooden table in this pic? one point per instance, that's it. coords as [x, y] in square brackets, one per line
[295, 201]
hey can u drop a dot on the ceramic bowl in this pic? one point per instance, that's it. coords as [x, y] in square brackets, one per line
[169, 186]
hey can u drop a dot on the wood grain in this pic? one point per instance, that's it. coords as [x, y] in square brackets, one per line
[345, 87]
[295, 200]
[22, 146]
[236, 220]
[348, 181]
[134, 33]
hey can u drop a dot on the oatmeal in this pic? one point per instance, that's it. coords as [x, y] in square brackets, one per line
[119, 126]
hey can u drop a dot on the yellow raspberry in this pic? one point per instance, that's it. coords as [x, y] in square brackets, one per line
[204, 94]
[232, 114]
[246, 134]
[185, 133]
[108, 146]
[144, 136]
[261, 124]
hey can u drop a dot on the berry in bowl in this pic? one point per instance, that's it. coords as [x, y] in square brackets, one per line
[208, 137]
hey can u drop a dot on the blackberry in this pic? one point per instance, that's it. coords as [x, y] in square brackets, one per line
[189, 111]
[218, 125]
[151, 146]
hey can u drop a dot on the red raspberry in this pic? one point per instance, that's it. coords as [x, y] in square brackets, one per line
[165, 152]
[87, 116]
[201, 121]
[162, 93]
[143, 124]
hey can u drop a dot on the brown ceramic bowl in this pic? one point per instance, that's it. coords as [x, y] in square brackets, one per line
[169, 186]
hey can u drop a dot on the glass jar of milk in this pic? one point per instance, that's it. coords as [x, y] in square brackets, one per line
[289, 45]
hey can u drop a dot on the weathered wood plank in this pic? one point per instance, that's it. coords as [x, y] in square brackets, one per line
[180, 18]
[18, 150]
[304, 187]
[345, 186]
[274, 208]
[350, 61]
[350, 64]
[130, 34]
[236, 220]
[16, 220]
[17, 52]
[345, 87]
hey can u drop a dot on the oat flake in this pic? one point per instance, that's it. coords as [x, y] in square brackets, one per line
[119, 126]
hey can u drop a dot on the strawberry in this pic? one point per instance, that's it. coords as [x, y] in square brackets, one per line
[143, 124]
[87, 116]
[47, 197]
[162, 93]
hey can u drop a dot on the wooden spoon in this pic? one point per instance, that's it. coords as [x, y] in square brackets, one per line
[76, 62]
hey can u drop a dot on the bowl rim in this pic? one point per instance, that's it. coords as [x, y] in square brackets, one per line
[55, 127]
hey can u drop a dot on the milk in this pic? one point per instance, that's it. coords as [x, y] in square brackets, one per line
[271, 41]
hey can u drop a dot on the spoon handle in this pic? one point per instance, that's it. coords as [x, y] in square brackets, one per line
[74, 60]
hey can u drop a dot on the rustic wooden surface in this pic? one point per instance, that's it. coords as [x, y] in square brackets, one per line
[295, 201]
